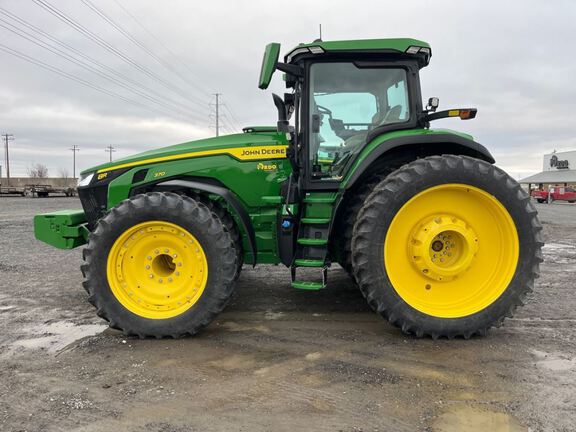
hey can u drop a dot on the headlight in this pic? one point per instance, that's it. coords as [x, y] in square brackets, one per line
[85, 180]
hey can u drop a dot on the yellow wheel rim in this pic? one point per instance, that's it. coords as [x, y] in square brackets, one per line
[157, 270]
[451, 251]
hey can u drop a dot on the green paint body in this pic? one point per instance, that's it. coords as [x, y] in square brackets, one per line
[257, 189]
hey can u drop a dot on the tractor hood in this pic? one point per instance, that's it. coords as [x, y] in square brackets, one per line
[253, 136]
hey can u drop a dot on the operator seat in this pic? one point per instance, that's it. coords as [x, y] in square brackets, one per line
[391, 116]
[378, 119]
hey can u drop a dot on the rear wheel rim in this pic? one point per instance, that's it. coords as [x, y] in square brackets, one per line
[451, 251]
[157, 270]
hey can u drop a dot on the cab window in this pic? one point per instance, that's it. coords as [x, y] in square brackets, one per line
[346, 103]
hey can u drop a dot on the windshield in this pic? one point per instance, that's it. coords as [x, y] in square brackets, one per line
[347, 102]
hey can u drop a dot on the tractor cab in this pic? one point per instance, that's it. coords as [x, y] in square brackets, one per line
[345, 93]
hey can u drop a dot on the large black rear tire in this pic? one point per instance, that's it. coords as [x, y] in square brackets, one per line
[405, 305]
[352, 205]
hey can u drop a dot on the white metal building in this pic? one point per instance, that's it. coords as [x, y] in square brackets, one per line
[558, 169]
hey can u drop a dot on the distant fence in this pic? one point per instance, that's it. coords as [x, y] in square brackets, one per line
[57, 182]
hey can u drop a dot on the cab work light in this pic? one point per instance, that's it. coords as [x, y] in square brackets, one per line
[413, 49]
[298, 51]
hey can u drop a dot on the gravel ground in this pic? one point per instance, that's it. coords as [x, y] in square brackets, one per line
[277, 359]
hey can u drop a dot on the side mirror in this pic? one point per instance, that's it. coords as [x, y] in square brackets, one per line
[433, 104]
[268, 64]
[283, 124]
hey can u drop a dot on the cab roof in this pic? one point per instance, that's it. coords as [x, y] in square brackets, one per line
[400, 45]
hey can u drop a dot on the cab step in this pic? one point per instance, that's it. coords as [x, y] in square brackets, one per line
[312, 242]
[308, 263]
[319, 200]
[315, 220]
[307, 285]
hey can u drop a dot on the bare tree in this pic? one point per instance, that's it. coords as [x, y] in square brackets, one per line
[63, 173]
[38, 170]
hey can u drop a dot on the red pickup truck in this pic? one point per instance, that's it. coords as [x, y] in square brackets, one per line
[556, 194]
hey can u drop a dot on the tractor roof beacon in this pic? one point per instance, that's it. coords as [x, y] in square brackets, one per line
[439, 240]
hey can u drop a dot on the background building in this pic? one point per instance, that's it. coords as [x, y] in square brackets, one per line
[558, 169]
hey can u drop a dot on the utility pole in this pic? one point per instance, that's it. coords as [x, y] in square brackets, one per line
[7, 138]
[110, 150]
[217, 113]
[74, 150]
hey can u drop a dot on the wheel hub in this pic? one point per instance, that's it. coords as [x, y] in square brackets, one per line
[157, 270]
[443, 247]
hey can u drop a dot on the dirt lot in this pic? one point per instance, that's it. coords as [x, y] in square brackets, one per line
[277, 359]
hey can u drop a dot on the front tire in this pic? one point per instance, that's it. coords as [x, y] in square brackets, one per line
[159, 264]
[447, 246]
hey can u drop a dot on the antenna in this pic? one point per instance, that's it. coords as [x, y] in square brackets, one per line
[320, 26]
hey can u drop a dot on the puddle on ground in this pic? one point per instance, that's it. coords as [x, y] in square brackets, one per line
[464, 418]
[54, 337]
[559, 253]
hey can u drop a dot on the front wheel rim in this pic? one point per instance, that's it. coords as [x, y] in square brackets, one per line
[451, 251]
[157, 270]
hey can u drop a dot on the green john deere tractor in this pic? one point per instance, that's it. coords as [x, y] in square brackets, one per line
[439, 240]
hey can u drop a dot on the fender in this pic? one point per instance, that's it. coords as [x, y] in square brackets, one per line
[465, 146]
[230, 198]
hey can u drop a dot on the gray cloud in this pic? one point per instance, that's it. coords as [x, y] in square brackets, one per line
[512, 60]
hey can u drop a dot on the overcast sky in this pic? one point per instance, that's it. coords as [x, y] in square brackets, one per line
[513, 60]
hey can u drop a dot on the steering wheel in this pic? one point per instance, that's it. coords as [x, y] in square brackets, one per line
[323, 110]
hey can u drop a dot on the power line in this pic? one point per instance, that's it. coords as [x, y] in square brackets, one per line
[7, 138]
[59, 71]
[159, 42]
[136, 42]
[228, 120]
[99, 41]
[66, 56]
[74, 150]
[217, 113]
[232, 115]
[86, 57]
[110, 150]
